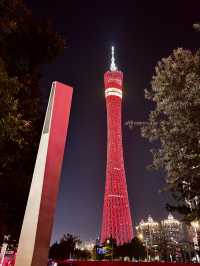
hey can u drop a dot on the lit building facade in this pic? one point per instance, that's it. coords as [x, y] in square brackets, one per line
[193, 233]
[154, 232]
[149, 232]
[116, 222]
[171, 229]
[87, 245]
[169, 239]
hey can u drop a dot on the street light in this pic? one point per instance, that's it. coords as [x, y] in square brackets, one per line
[140, 236]
[195, 224]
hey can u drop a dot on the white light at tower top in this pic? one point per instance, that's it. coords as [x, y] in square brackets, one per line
[113, 66]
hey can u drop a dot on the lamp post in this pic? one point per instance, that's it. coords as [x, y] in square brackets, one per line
[195, 225]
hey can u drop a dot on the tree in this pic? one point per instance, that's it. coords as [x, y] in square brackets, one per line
[134, 249]
[54, 252]
[82, 254]
[66, 248]
[138, 249]
[174, 124]
[25, 44]
[68, 245]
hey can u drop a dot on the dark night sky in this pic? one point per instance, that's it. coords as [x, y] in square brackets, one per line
[143, 32]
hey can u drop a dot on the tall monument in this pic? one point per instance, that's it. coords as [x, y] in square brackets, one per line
[116, 221]
[37, 225]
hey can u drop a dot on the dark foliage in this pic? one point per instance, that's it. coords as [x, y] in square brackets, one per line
[66, 248]
[82, 254]
[25, 44]
[175, 125]
[134, 249]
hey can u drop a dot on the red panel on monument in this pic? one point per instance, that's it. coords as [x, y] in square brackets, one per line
[117, 221]
[38, 220]
[58, 130]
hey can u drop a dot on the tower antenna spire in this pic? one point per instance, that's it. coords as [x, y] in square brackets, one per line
[113, 66]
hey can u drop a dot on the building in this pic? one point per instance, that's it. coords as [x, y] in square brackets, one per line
[171, 229]
[86, 245]
[163, 239]
[170, 239]
[154, 232]
[116, 222]
[193, 231]
[149, 232]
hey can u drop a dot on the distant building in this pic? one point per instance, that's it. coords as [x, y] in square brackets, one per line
[194, 234]
[154, 232]
[149, 232]
[170, 239]
[86, 245]
[172, 230]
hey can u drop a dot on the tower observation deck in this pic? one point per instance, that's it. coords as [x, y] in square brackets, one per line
[116, 222]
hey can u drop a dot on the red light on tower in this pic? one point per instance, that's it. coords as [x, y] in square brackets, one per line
[116, 221]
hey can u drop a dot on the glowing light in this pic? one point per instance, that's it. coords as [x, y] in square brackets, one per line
[116, 222]
[113, 91]
[113, 66]
[150, 222]
[116, 196]
[195, 224]
[171, 220]
[140, 236]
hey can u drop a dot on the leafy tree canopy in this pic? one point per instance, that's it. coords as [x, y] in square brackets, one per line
[66, 248]
[134, 249]
[175, 124]
[25, 44]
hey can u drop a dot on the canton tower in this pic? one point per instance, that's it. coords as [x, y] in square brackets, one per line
[116, 221]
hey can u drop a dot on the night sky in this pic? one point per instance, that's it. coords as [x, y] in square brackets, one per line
[143, 32]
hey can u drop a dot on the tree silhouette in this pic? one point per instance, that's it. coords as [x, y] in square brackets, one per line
[25, 44]
[174, 124]
[65, 248]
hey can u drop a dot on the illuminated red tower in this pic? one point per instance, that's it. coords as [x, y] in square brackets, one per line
[117, 221]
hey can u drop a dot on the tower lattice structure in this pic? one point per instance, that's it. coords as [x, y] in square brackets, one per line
[116, 222]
